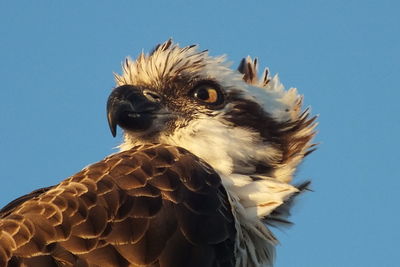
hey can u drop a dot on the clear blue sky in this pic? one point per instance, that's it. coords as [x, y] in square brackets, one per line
[56, 65]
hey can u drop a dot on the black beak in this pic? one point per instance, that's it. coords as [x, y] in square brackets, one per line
[131, 109]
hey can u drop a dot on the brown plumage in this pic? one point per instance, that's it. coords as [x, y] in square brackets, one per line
[208, 158]
[153, 205]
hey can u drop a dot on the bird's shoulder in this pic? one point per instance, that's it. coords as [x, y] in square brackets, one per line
[152, 204]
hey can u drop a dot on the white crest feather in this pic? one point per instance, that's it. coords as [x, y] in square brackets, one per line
[222, 145]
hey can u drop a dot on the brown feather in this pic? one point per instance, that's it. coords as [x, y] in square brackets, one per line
[147, 206]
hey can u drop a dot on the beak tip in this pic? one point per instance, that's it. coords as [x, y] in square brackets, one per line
[112, 124]
[114, 131]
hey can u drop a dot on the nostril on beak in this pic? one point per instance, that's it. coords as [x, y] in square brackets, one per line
[152, 96]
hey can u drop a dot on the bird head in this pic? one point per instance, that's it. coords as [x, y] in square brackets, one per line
[230, 118]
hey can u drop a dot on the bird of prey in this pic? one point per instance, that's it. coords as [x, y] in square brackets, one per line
[205, 169]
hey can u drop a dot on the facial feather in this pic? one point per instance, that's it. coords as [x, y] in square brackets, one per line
[260, 129]
[254, 138]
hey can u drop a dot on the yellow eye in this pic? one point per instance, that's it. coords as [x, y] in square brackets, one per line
[208, 94]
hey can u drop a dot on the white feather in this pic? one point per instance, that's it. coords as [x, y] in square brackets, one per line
[221, 144]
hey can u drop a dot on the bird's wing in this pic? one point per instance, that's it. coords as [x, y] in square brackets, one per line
[153, 205]
[7, 209]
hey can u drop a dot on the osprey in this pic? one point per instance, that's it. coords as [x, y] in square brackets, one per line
[205, 168]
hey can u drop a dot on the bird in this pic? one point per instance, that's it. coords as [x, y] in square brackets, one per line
[205, 169]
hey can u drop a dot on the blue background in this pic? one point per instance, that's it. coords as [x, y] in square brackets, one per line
[56, 65]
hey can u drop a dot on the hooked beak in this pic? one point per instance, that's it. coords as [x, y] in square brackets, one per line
[131, 109]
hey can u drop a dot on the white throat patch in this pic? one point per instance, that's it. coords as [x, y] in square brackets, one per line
[223, 146]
